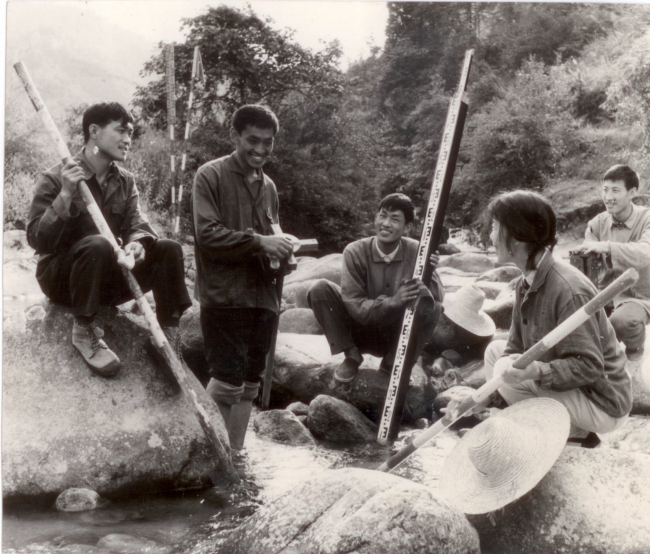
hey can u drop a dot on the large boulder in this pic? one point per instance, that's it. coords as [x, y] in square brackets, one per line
[282, 426]
[304, 369]
[296, 293]
[301, 321]
[469, 262]
[20, 289]
[64, 427]
[192, 345]
[355, 510]
[335, 420]
[503, 274]
[327, 267]
[500, 310]
[591, 501]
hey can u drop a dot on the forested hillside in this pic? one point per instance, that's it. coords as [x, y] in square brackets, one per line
[558, 93]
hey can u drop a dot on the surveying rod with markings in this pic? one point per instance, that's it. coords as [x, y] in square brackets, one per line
[170, 82]
[161, 342]
[186, 136]
[597, 303]
[391, 415]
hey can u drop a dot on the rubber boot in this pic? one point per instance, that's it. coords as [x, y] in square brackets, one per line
[225, 396]
[240, 414]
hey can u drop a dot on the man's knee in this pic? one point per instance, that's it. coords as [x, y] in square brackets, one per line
[323, 291]
[97, 247]
[167, 249]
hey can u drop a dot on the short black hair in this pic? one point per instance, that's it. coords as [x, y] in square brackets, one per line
[104, 113]
[399, 201]
[527, 217]
[620, 172]
[256, 115]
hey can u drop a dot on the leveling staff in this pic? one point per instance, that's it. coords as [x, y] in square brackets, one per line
[365, 314]
[77, 266]
[622, 235]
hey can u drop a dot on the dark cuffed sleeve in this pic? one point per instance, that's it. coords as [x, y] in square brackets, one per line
[46, 222]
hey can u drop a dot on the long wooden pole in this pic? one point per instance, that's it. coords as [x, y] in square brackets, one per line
[431, 232]
[624, 282]
[160, 340]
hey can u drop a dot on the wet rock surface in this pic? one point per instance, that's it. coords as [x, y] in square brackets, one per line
[355, 510]
[78, 500]
[335, 420]
[282, 426]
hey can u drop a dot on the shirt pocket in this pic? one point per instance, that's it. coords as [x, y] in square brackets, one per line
[118, 213]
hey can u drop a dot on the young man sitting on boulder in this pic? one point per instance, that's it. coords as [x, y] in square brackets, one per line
[234, 205]
[365, 314]
[77, 266]
[621, 235]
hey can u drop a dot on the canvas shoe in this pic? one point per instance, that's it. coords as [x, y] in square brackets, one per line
[98, 356]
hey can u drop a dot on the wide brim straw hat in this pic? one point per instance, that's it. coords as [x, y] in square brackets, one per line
[504, 457]
[465, 308]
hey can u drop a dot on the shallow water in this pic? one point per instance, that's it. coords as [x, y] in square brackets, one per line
[197, 521]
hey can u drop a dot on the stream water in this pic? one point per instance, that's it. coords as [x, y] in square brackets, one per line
[195, 522]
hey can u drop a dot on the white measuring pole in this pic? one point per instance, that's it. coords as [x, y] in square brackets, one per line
[431, 230]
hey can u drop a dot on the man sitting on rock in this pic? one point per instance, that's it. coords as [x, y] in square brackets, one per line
[622, 235]
[234, 205]
[77, 266]
[365, 314]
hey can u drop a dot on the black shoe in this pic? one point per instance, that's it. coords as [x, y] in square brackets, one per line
[592, 440]
[347, 371]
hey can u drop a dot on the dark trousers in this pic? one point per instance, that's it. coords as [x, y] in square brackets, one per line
[236, 342]
[343, 332]
[629, 321]
[87, 277]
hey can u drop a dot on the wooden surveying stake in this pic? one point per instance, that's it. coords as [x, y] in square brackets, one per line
[197, 71]
[170, 79]
[161, 342]
[391, 415]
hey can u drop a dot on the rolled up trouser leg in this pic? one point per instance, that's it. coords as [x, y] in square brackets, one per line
[240, 415]
[225, 396]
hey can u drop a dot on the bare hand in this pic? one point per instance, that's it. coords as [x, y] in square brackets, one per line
[71, 176]
[457, 398]
[137, 250]
[593, 247]
[407, 292]
[434, 260]
[513, 376]
[276, 246]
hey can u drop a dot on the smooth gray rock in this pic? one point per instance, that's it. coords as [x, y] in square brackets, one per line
[301, 321]
[501, 310]
[503, 274]
[334, 420]
[78, 500]
[448, 249]
[591, 501]
[634, 436]
[128, 544]
[64, 427]
[304, 368]
[355, 511]
[468, 262]
[282, 426]
[327, 267]
[296, 293]
[298, 408]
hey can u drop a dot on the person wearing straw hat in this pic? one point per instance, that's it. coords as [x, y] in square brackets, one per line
[465, 309]
[504, 457]
[586, 371]
[77, 265]
[365, 314]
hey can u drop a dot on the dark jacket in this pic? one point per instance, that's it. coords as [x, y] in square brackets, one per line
[368, 282]
[590, 358]
[228, 221]
[52, 230]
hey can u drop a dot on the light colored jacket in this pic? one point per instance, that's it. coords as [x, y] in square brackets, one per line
[630, 247]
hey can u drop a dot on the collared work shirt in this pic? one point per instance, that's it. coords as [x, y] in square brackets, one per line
[229, 215]
[51, 229]
[368, 282]
[590, 358]
[630, 247]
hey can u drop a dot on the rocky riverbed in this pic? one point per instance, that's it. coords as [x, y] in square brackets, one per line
[306, 468]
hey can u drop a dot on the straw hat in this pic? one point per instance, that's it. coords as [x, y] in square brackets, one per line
[504, 457]
[464, 308]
